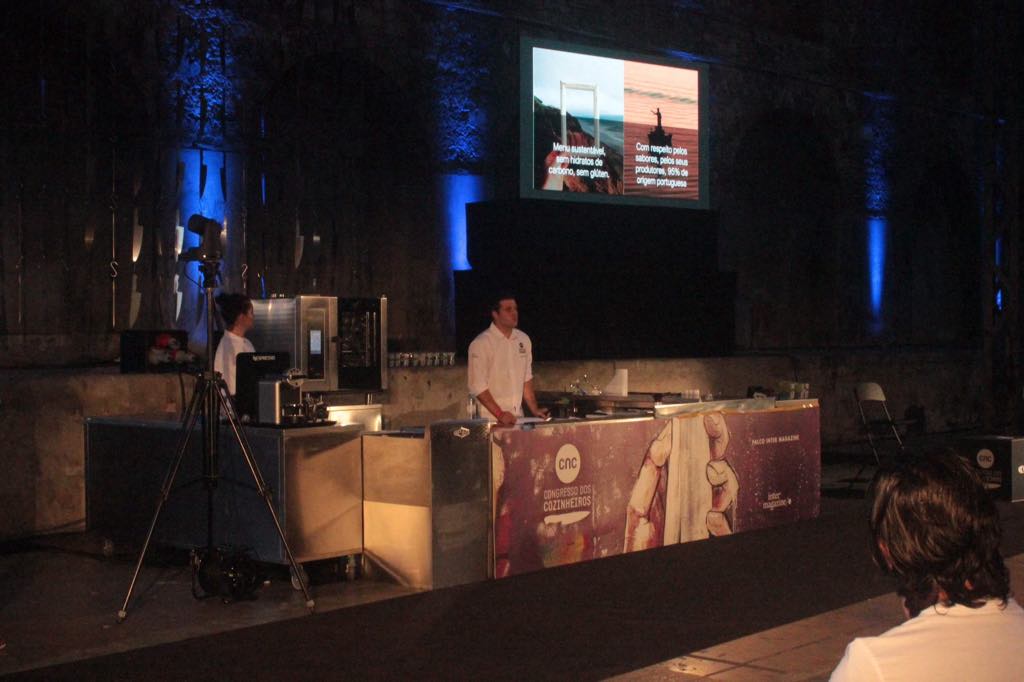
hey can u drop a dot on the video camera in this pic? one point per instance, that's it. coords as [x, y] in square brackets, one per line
[210, 246]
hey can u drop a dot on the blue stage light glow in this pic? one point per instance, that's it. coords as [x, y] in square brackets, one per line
[999, 299]
[692, 57]
[462, 120]
[878, 133]
[202, 90]
[461, 128]
[878, 230]
[210, 204]
[458, 189]
[205, 86]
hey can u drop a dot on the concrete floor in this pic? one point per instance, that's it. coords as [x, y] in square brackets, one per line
[59, 598]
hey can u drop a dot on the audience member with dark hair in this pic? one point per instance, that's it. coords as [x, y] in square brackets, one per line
[236, 311]
[936, 530]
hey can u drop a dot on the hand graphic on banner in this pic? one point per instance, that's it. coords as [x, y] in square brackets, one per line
[641, 529]
[721, 476]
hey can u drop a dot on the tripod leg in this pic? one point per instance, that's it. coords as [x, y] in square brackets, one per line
[243, 443]
[191, 416]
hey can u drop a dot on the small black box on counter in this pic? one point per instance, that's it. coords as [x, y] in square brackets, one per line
[250, 370]
[154, 350]
[999, 460]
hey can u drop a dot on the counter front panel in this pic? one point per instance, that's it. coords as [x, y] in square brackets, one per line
[579, 490]
[314, 475]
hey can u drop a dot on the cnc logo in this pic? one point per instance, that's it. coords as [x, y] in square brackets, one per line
[567, 463]
[985, 458]
[460, 432]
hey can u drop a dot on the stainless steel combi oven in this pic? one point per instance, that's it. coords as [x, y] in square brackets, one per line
[363, 354]
[306, 327]
[337, 343]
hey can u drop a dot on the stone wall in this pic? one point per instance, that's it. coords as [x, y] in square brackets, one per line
[42, 412]
[43, 457]
[827, 121]
[338, 122]
[944, 386]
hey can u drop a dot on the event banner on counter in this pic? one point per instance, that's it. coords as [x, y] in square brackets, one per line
[563, 491]
[776, 455]
[572, 492]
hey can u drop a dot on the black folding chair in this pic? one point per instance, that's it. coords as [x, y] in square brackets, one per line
[876, 421]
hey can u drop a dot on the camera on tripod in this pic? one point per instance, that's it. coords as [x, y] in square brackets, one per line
[211, 245]
[218, 571]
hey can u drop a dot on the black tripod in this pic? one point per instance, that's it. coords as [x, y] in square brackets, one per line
[210, 396]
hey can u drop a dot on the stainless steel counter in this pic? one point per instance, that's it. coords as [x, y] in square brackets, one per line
[465, 500]
[314, 474]
[427, 503]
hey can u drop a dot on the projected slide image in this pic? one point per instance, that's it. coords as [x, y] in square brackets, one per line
[661, 131]
[610, 127]
[578, 122]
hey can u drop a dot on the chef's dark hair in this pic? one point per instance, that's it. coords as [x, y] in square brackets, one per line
[231, 306]
[936, 529]
[498, 297]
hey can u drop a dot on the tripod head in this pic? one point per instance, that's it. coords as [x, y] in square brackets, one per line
[210, 269]
[208, 254]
